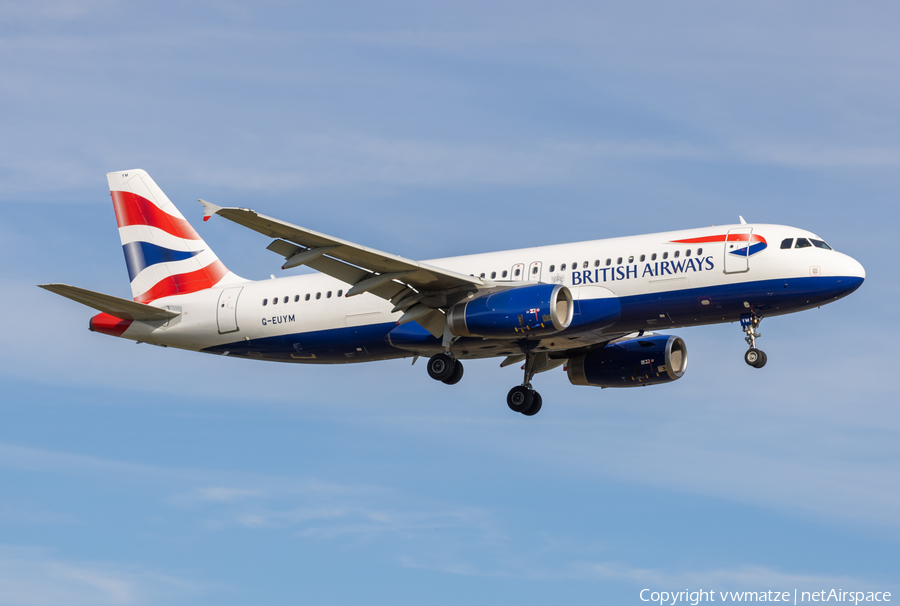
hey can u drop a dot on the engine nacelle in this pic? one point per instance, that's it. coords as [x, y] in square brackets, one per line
[647, 360]
[538, 309]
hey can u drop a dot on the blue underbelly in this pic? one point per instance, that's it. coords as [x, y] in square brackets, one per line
[689, 307]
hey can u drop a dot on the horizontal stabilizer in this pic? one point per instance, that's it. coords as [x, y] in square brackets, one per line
[114, 306]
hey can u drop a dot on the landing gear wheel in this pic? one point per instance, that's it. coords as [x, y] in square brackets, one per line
[456, 376]
[755, 357]
[441, 366]
[535, 407]
[762, 359]
[519, 398]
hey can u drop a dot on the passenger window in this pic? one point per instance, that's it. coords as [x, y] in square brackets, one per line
[504, 273]
[677, 252]
[585, 266]
[274, 300]
[653, 257]
[307, 297]
[318, 295]
[482, 275]
[286, 299]
[340, 293]
[494, 274]
[820, 244]
[619, 261]
[802, 243]
[534, 269]
[687, 253]
[787, 243]
[265, 302]
[553, 268]
[665, 255]
[296, 298]
[518, 271]
[608, 262]
[631, 259]
[562, 267]
[328, 295]
[597, 263]
[643, 257]
[699, 251]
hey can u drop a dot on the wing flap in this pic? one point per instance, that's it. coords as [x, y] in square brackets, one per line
[108, 304]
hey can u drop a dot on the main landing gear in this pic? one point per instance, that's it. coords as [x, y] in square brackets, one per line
[754, 357]
[523, 398]
[445, 368]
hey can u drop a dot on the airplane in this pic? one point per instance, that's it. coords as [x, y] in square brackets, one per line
[592, 307]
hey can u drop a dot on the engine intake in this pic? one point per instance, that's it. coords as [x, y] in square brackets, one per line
[538, 309]
[647, 360]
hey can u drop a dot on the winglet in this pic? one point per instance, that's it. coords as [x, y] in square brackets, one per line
[739, 217]
[209, 209]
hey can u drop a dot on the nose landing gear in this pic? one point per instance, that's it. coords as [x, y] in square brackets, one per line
[523, 398]
[750, 325]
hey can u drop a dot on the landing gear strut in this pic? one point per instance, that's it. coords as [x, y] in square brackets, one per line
[754, 357]
[523, 398]
[445, 368]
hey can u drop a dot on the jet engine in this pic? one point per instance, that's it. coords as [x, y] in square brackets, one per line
[537, 309]
[647, 360]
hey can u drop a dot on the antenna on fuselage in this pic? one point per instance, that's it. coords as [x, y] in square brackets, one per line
[742, 220]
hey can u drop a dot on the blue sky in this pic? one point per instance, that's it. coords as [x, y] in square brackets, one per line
[138, 475]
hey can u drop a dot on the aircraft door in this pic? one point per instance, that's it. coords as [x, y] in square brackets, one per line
[534, 272]
[226, 310]
[517, 273]
[737, 250]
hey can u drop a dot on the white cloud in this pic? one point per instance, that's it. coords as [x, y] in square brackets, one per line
[738, 578]
[35, 577]
[824, 156]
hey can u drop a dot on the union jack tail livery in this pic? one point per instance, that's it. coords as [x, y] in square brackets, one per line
[164, 255]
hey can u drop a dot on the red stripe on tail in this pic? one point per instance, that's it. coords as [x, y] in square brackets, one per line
[132, 209]
[182, 284]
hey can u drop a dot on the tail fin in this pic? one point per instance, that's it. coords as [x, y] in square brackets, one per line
[164, 255]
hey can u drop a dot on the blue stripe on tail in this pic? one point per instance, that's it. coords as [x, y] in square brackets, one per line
[140, 255]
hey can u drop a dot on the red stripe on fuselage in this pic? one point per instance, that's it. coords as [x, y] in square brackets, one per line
[109, 325]
[132, 209]
[723, 238]
[182, 284]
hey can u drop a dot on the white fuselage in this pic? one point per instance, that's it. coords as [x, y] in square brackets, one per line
[660, 283]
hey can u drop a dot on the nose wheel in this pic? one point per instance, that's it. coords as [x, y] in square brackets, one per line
[755, 357]
[750, 325]
[523, 398]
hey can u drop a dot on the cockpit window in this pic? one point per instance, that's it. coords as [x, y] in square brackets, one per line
[802, 243]
[787, 243]
[820, 244]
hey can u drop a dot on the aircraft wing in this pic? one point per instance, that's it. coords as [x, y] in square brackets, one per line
[114, 306]
[412, 286]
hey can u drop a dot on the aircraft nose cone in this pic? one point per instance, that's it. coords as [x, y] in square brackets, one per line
[857, 270]
[853, 273]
